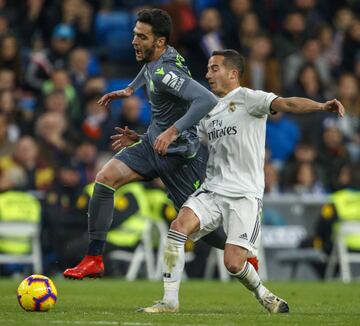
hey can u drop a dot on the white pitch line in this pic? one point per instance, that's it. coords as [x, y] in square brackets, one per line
[86, 322]
[136, 324]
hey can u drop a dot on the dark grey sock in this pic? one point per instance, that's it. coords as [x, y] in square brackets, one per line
[100, 216]
[96, 248]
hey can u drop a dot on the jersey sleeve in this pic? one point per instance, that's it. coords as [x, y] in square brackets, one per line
[258, 103]
[202, 134]
[170, 79]
[139, 79]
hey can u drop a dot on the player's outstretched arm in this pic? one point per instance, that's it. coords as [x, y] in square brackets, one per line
[202, 102]
[122, 93]
[304, 105]
[124, 138]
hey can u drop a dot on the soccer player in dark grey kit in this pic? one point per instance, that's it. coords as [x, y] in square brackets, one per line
[170, 149]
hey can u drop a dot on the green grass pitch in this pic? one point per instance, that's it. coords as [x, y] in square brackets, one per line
[114, 301]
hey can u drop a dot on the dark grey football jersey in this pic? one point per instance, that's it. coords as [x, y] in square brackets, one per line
[166, 82]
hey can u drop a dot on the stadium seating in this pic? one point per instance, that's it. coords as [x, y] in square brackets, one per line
[144, 252]
[114, 35]
[20, 215]
[341, 253]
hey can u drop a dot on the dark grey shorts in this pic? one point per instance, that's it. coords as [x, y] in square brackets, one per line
[181, 176]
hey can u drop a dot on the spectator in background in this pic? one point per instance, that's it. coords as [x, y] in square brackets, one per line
[16, 119]
[349, 94]
[5, 28]
[308, 84]
[248, 29]
[43, 63]
[79, 15]
[282, 135]
[332, 153]
[10, 57]
[95, 84]
[231, 18]
[85, 161]
[329, 46]
[304, 153]
[60, 80]
[351, 46]
[56, 101]
[343, 19]
[96, 124]
[291, 36]
[183, 18]
[50, 130]
[202, 41]
[261, 69]
[82, 65]
[313, 16]
[310, 53]
[130, 115]
[305, 181]
[272, 184]
[24, 170]
[7, 145]
[7, 80]
[35, 22]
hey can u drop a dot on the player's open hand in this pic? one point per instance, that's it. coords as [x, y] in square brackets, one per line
[107, 98]
[334, 106]
[124, 138]
[163, 141]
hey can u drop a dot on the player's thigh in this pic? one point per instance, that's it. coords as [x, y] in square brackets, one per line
[182, 176]
[209, 215]
[116, 173]
[241, 222]
[137, 162]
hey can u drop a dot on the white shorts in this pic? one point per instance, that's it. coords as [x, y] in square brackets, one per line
[240, 218]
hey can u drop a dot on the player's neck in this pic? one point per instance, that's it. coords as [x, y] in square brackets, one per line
[158, 53]
[229, 90]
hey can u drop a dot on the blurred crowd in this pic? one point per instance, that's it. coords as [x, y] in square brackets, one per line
[53, 69]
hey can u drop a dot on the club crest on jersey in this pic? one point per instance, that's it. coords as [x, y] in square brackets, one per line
[173, 81]
[232, 107]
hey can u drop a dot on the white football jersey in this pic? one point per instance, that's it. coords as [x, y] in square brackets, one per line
[235, 133]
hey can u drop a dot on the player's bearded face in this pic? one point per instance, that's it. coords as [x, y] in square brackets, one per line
[148, 53]
[144, 42]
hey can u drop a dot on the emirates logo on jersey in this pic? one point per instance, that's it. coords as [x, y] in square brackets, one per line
[232, 107]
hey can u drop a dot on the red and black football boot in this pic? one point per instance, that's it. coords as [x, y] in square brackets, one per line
[90, 266]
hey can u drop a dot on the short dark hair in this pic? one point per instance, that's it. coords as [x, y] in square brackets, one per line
[159, 20]
[233, 59]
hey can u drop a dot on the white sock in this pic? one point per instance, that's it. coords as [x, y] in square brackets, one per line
[173, 265]
[250, 279]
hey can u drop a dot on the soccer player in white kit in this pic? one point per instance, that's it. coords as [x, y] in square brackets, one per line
[232, 191]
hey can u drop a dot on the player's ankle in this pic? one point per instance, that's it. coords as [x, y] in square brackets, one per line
[260, 292]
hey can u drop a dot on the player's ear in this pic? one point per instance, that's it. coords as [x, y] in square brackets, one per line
[233, 74]
[160, 42]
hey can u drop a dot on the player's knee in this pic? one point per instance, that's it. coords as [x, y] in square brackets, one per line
[176, 225]
[234, 263]
[181, 226]
[234, 266]
[103, 176]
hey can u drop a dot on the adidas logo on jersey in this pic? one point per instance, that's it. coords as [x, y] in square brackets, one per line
[243, 236]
